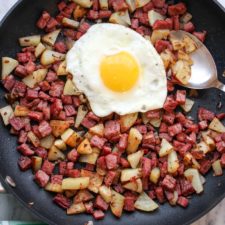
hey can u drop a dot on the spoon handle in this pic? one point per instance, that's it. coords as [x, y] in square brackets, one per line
[220, 86]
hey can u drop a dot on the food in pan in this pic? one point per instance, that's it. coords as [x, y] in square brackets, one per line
[62, 104]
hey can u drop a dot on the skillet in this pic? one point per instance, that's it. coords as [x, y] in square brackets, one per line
[20, 21]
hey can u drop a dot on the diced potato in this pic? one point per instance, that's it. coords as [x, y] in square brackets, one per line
[47, 142]
[36, 163]
[117, 203]
[128, 174]
[121, 18]
[156, 122]
[8, 65]
[106, 193]
[66, 134]
[131, 5]
[194, 176]
[84, 147]
[60, 144]
[177, 44]
[189, 45]
[185, 18]
[52, 187]
[182, 71]
[168, 58]
[153, 16]
[141, 3]
[33, 40]
[135, 158]
[184, 56]
[159, 34]
[6, 113]
[134, 185]
[33, 138]
[50, 38]
[61, 71]
[83, 196]
[145, 119]
[55, 154]
[39, 50]
[145, 203]
[217, 168]
[48, 57]
[79, 12]
[134, 139]
[75, 183]
[76, 209]
[165, 148]
[173, 162]
[81, 113]
[91, 158]
[70, 23]
[203, 147]
[188, 158]
[74, 140]
[70, 88]
[154, 175]
[84, 3]
[103, 4]
[195, 164]
[58, 127]
[21, 110]
[175, 198]
[209, 141]
[127, 121]
[217, 126]
[203, 180]
[36, 77]
[97, 130]
[188, 105]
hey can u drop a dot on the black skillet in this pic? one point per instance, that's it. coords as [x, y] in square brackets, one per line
[20, 21]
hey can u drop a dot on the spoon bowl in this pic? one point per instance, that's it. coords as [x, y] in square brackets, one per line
[203, 71]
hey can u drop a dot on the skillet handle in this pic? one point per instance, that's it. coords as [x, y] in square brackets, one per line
[219, 85]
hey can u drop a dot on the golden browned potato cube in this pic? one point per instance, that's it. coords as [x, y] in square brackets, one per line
[134, 139]
[127, 121]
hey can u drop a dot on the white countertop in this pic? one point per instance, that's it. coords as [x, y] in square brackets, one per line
[10, 209]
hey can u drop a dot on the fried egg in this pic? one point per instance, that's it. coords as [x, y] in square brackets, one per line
[118, 70]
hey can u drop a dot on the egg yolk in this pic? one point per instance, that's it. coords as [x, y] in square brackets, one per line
[119, 72]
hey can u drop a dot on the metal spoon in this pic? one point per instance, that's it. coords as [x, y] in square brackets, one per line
[203, 72]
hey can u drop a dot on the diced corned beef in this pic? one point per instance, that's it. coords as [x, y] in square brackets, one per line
[104, 14]
[44, 85]
[46, 113]
[73, 173]
[30, 67]
[106, 150]
[100, 203]
[60, 46]
[41, 152]
[84, 27]
[28, 49]
[149, 139]
[184, 149]
[181, 97]
[159, 194]
[76, 101]
[62, 5]
[56, 107]
[24, 57]
[129, 204]
[176, 22]
[189, 27]
[25, 150]
[98, 214]
[51, 25]
[111, 161]
[95, 5]
[62, 168]
[88, 123]
[124, 163]
[204, 114]
[165, 136]
[92, 116]
[203, 125]
[67, 99]
[22, 137]
[31, 94]
[37, 116]
[110, 176]
[182, 201]
[152, 194]
[21, 71]
[123, 142]
[43, 96]
[200, 35]
[180, 171]
[163, 128]
[222, 160]
[220, 116]
[143, 30]
[146, 166]
[72, 155]
[42, 22]
[186, 187]
[50, 77]
[169, 118]
[153, 114]
[19, 89]
[70, 165]
[97, 141]
[220, 146]
[118, 188]
[62, 201]
[69, 9]
[56, 89]
[44, 128]
[175, 129]
[70, 110]
[112, 129]
[70, 33]
[170, 103]
[89, 207]
[9, 82]
[161, 45]
[144, 20]
[205, 166]
[169, 183]
[17, 123]
[177, 9]
[92, 15]
[24, 163]
[169, 195]
[163, 24]
[134, 23]
[119, 5]
[79, 34]
[41, 178]
[56, 179]
[48, 167]
[142, 129]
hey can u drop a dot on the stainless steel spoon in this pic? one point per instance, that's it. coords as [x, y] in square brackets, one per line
[203, 72]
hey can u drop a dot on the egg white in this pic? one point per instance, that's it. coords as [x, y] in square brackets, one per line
[101, 40]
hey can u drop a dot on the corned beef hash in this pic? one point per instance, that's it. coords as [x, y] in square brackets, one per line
[96, 111]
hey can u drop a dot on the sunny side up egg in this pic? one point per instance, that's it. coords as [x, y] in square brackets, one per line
[118, 70]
